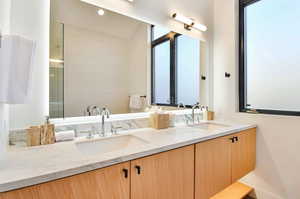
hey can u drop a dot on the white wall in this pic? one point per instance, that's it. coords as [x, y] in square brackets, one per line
[138, 55]
[4, 29]
[5, 16]
[277, 173]
[30, 19]
[96, 71]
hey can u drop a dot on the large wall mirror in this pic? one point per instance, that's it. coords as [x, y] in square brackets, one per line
[99, 58]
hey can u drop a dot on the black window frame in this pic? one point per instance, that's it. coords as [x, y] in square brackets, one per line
[172, 37]
[243, 106]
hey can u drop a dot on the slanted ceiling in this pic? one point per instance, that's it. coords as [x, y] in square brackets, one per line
[82, 15]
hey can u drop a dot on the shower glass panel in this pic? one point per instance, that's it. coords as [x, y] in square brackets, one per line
[56, 102]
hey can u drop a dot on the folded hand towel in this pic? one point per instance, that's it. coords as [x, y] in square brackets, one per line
[16, 58]
[64, 136]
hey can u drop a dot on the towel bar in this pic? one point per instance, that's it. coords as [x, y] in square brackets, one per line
[142, 96]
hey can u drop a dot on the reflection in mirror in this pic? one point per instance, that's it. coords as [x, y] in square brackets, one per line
[103, 60]
[175, 68]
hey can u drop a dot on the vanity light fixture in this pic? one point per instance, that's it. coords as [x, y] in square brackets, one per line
[56, 61]
[185, 20]
[101, 12]
[200, 27]
[188, 23]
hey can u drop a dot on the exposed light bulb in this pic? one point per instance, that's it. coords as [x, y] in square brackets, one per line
[101, 12]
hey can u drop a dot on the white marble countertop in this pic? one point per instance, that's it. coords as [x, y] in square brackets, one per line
[40, 164]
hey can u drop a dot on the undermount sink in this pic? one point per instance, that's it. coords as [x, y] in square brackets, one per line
[111, 144]
[209, 126]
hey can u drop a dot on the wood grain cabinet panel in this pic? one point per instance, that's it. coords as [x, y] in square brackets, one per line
[168, 175]
[212, 167]
[106, 183]
[243, 154]
[222, 161]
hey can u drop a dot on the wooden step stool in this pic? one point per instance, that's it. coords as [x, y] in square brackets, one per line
[235, 191]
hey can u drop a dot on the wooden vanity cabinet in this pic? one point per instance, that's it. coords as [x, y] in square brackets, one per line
[243, 154]
[107, 183]
[212, 167]
[222, 161]
[193, 172]
[168, 175]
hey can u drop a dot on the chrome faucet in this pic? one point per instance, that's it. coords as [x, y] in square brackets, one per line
[197, 105]
[104, 113]
[92, 110]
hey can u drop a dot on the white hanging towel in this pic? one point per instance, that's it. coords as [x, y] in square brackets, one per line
[16, 60]
[136, 102]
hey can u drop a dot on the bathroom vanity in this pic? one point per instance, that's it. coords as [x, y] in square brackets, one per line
[175, 163]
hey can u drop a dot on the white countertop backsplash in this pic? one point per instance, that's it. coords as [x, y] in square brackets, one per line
[130, 121]
[33, 165]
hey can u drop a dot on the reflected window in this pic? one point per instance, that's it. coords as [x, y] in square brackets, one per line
[175, 69]
[162, 72]
[188, 70]
[269, 57]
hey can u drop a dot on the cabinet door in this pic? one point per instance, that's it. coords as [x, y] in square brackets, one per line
[168, 175]
[213, 167]
[243, 154]
[107, 183]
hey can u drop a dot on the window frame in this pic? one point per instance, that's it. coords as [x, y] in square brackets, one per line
[171, 36]
[243, 4]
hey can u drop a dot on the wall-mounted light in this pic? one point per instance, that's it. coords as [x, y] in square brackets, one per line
[101, 12]
[185, 20]
[189, 23]
[56, 61]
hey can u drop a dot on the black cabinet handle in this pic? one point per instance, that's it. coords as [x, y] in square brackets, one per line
[138, 169]
[125, 171]
[236, 138]
[232, 139]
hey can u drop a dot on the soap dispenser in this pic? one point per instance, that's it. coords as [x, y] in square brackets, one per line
[47, 132]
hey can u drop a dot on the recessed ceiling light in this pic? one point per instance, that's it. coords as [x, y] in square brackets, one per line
[130, 0]
[101, 12]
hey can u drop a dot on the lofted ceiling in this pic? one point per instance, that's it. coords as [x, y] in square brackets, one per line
[82, 15]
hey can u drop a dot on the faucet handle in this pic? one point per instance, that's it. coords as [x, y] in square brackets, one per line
[114, 129]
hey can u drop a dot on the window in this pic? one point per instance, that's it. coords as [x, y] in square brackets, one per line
[162, 72]
[269, 57]
[188, 70]
[175, 68]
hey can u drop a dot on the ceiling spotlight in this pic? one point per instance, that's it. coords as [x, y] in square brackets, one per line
[101, 12]
[130, 0]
